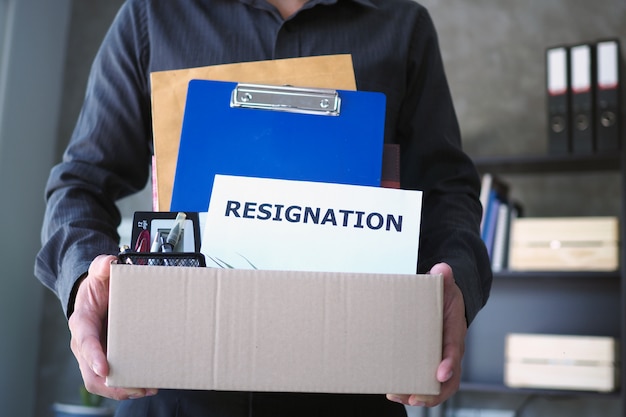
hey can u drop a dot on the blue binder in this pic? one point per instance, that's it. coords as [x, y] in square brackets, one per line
[276, 132]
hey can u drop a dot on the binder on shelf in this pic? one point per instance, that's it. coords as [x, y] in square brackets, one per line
[485, 187]
[499, 241]
[283, 132]
[608, 106]
[582, 98]
[491, 185]
[494, 194]
[491, 220]
[508, 212]
[557, 80]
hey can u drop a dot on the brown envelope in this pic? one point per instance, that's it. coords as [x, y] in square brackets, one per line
[169, 93]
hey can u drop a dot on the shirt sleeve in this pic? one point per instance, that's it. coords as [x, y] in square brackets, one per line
[433, 161]
[108, 158]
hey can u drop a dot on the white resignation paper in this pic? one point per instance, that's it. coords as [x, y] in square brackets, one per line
[258, 223]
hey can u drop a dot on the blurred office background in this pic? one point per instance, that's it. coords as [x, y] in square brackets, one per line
[494, 56]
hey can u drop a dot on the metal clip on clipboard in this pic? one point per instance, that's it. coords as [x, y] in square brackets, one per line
[287, 98]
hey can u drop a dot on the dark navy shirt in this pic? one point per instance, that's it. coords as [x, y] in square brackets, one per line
[395, 51]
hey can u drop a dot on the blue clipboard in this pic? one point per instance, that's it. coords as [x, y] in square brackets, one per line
[276, 132]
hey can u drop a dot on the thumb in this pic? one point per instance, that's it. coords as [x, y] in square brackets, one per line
[93, 291]
[441, 268]
[100, 267]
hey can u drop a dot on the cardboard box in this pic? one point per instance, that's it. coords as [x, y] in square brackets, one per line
[228, 329]
[564, 243]
[561, 362]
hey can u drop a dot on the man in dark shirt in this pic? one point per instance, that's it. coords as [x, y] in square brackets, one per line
[395, 51]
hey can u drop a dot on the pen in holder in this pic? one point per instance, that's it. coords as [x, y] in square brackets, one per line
[193, 259]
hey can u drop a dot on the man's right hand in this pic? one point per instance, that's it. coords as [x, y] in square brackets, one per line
[88, 329]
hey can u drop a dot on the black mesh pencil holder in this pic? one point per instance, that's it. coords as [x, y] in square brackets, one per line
[162, 258]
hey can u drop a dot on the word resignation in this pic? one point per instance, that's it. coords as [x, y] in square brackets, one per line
[314, 215]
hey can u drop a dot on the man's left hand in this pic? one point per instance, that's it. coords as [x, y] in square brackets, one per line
[454, 331]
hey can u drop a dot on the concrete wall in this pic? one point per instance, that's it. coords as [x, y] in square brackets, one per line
[494, 55]
[31, 64]
[58, 376]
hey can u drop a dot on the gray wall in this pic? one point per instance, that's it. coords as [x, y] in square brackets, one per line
[494, 55]
[58, 377]
[33, 44]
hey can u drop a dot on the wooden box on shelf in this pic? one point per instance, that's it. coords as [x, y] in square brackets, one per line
[564, 243]
[585, 363]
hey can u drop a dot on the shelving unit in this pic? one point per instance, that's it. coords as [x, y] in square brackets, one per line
[550, 164]
[560, 302]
